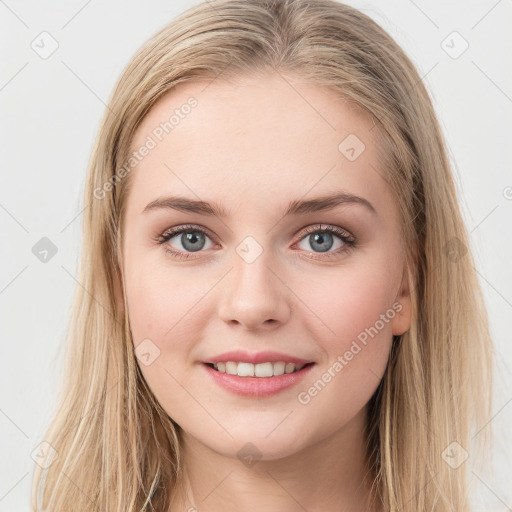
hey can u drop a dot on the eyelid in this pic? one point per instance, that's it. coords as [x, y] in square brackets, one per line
[176, 230]
[330, 228]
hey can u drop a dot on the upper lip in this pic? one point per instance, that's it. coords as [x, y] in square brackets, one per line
[241, 356]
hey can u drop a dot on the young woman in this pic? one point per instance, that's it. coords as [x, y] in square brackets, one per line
[278, 308]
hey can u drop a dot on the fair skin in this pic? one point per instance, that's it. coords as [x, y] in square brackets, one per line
[252, 145]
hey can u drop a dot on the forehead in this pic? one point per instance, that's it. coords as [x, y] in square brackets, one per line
[254, 138]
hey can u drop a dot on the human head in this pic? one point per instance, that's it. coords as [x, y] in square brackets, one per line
[341, 50]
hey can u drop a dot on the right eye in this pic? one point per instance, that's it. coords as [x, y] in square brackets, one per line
[192, 239]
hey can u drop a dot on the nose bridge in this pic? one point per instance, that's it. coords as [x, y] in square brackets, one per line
[252, 266]
[255, 296]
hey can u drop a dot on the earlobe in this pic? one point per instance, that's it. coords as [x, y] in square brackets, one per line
[401, 323]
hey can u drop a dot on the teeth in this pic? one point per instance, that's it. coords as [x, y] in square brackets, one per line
[257, 370]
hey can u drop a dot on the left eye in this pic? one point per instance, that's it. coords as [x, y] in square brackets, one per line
[323, 241]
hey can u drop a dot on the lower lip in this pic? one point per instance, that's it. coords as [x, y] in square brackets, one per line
[257, 387]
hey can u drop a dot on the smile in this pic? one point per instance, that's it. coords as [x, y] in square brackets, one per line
[256, 380]
[268, 369]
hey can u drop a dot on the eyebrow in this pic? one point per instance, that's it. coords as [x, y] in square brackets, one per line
[297, 207]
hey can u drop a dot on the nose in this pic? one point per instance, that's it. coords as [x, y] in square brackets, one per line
[254, 296]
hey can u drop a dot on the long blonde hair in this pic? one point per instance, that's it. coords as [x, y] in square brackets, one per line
[111, 446]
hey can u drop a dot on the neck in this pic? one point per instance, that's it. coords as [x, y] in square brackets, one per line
[330, 475]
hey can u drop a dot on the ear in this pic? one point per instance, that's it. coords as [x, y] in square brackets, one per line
[401, 322]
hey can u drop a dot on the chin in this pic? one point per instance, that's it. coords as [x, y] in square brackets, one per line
[255, 445]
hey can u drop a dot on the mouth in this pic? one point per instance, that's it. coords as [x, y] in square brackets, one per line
[257, 381]
[259, 370]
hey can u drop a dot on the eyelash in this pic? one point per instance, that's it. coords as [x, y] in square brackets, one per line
[348, 240]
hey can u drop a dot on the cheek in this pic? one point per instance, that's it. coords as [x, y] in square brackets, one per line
[356, 306]
[166, 308]
[351, 300]
[159, 302]
[162, 309]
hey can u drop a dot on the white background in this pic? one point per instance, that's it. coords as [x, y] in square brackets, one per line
[50, 112]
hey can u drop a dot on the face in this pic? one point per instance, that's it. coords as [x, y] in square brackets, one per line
[273, 273]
